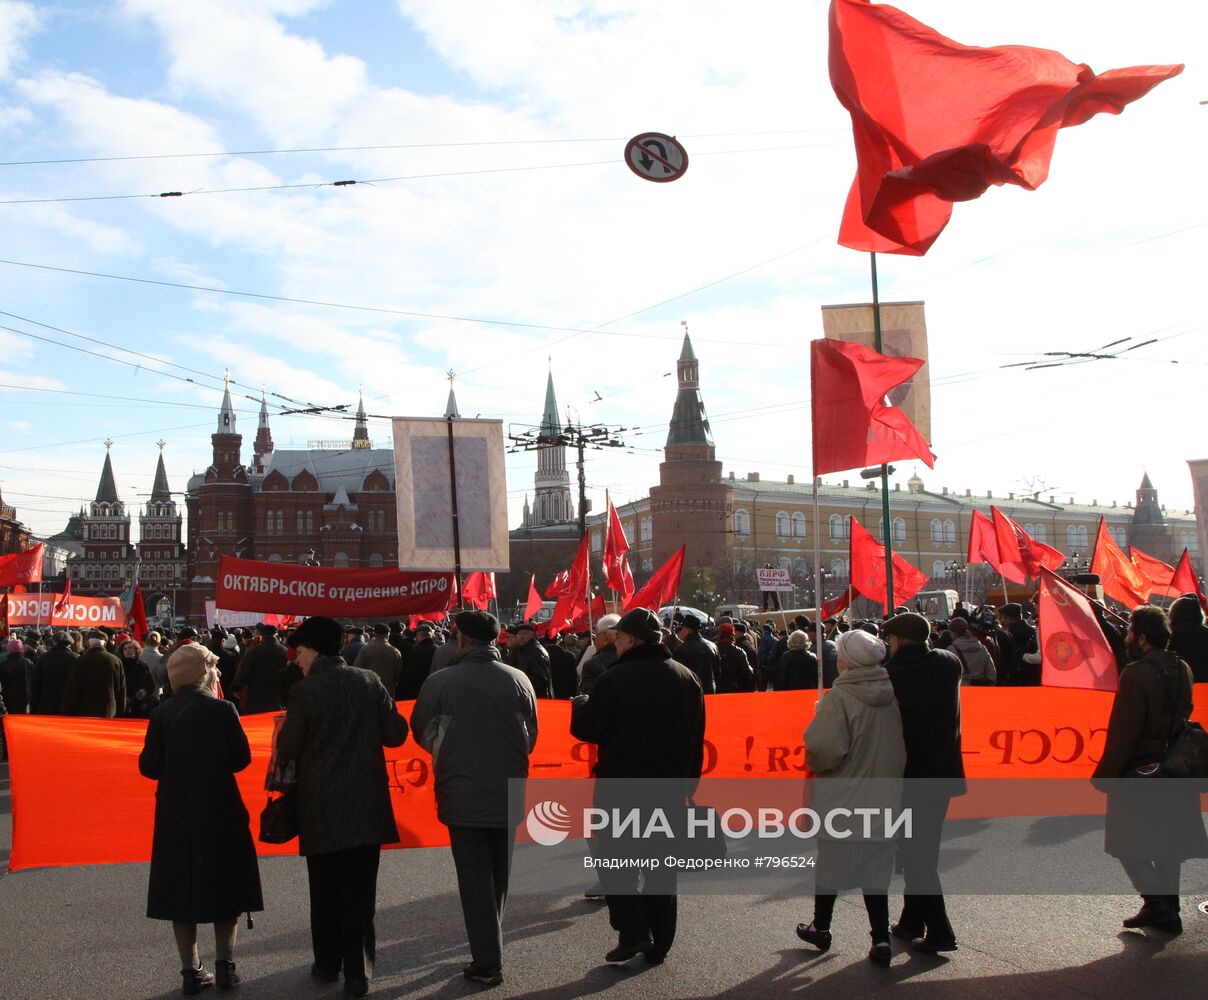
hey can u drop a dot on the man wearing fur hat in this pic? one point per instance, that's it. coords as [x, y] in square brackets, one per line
[478, 718]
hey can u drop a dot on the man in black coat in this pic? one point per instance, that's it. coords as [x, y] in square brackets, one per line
[698, 654]
[562, 667]
[259, 677]
[734, 669]
[647, 716]
[528, 656]
[417, 663]
[1189, 635]
[927, 684]
[96, 685]
[50, 676]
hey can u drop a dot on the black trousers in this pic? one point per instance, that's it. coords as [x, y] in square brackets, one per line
[1154, 878]
[343, 898]
[642, 905]
[483, 859]
[923, 909]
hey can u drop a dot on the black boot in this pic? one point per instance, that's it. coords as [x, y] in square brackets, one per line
[225, 976]
[880, 953]
[195, 980]
[1151, 914]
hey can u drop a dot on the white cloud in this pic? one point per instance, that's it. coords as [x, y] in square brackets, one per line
[17, 22]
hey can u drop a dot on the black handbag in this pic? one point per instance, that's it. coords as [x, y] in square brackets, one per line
[279, 819]
[1187, 749]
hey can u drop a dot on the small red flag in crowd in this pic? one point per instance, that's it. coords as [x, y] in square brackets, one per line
[64, 600]
[853, 426]
[868, 570]
[1119, 578]
[572, 601]
[1074, 651]
[936, 122]
[557, 585]
[662, 588]
[479, 589]
[1186, 582]
[533, 605]
[616, 567]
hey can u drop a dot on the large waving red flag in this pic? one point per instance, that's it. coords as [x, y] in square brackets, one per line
[1158, 573]
[573, 600]
[662, 588]
[936, 122]
[1074, 652]
[983, 543]
[616, 567]
[868, 570]
[557, 585]
[1186, 582]
[534, 602]
[1118, 576]
[22, 567]
[1023, 554]
[853, 426]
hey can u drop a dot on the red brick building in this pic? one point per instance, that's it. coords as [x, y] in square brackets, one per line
[14, 536]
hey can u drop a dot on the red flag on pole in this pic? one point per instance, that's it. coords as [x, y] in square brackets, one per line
[983, 543]
[22, 567]
[834, 606]
[573, 599]
[1186, 582]
[533, 605]
[479, 589]
[1074, 651]
[557, 585]
[868, 570]
[1158, 573]
[137, 613]
[1118, 576]
[853, 426]
[1020, 552]
[616, 568]
[936, 122]
[662, 588]
[60, 606]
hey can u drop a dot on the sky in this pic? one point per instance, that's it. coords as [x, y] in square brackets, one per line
[503, 237]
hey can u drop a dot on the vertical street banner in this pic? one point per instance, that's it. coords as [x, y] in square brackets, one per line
[424, 491]
[903, 335]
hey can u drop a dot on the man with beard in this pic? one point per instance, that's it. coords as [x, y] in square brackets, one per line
[647, 716]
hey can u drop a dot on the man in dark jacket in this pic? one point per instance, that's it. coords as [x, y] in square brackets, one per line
[479, 719]
[734, 669]
[527, 656]
[50, 676]
[96, 685]
[647, 716]
[338, 720]
[1189, 635]
[417, 664]
[698, 654]
[927, 685]
[259, 678]
[562, 667]
[353, 644]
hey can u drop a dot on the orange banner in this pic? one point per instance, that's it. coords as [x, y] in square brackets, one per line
[77, 796]
[79, 612]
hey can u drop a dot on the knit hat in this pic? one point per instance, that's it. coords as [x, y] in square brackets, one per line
[860, 649]
[725, 630]
[641, 623]
[187, 666]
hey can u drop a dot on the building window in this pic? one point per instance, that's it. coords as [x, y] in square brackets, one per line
[274, 558]
[838, 528]
[298, 522]
[1075, 536]
[596, 541]
[836, 568]
[937, 532]
[899, 529]
[340, 559]
[375, 561]
[647, 528]
[742, 523]
[785, 564]
[1040, 534]
[310, 521]
[798, 525]
[950, 532]
[783, 529]
[938, 572]
[280, 522]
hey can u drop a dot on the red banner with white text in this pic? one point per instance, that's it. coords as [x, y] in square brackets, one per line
[74, 612]
[289, 589]
[78, 798]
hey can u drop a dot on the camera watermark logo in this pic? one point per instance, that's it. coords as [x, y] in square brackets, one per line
[548, 823]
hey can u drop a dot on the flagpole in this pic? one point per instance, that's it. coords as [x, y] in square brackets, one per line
[453, 506]
[817, 587]
[888, 531]
[38, 625]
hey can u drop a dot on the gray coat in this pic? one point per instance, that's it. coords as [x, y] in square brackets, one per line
[478, 719]
[336, 724]
[383, 659]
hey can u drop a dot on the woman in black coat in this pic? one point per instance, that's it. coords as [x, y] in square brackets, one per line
[203, 862]
[797, 668]
[141, 695]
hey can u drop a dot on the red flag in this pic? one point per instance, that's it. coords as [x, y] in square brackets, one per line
[853, 426]
[868, 570]
[1073, 649]
[834, 606]
[616, 568]
[983, 543]
[557, 585]
[533, 605]
[21, 567]
[1119, 577]
[662, 588]
[61, 605]
[479, 589]
[1155, 571]
[1186, 582]
[1020, 555]
[936, 122]
[137, 613]
[573, 599]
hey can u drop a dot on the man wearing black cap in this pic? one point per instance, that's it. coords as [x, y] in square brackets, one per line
[478, 717]
[258, 679]
[927, 685]
[698, 654]
[382, 658]
[353, 644]
[647, 716]
[528, 656]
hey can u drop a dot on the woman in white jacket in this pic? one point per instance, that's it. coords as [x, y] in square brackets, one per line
[854, 746]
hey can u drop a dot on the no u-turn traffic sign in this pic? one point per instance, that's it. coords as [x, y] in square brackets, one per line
[654, 156]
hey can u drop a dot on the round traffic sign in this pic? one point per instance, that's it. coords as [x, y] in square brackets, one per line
[654, 156]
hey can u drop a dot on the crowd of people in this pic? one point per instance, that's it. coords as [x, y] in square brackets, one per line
[891, 710]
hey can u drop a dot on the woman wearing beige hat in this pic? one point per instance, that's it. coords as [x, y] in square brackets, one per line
[203, 862]
[854, 745]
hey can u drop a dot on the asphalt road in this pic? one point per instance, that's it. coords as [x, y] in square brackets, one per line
[80, 932]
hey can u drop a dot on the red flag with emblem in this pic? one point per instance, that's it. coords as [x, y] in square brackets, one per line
[1119, 577]
[21, 567]
[853, 425]
[1073, 649]
[936, 122]
[1155, 571]
[1186, 582]
[1019, 551]
[868, 570]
